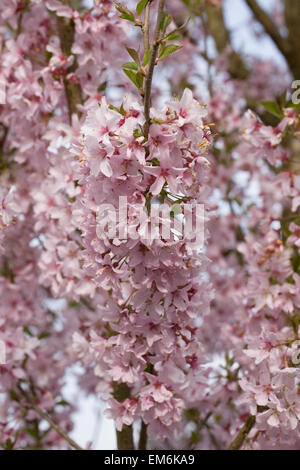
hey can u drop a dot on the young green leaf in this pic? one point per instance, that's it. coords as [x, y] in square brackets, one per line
[174, 37]
[134, 55]
[128, 17]
[9, 444]
[140, 80]
[165, 21]
[136, 78]
[63, 403]
[169, 50]
[126, 14]
[273, 108]
[130, 65]
[130, 74]
[141, 6]
[32, 432]
[120, 111]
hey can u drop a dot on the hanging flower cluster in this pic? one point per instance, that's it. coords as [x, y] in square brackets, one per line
[156, 294]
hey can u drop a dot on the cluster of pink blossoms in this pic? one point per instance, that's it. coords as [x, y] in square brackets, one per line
[256, 261]
[270, 380]
[36, 231]
[156, 294]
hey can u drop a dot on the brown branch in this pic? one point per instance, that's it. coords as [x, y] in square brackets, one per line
[3, 136]
[212, 18]
[125, 438]
[53, 425]
[20, 17]
[143, 437]
[216, 26]
[270, 28]
[146, 27]
[121, 392]
[152, 61]
[66, 32]
[292, 19]
[242, 435]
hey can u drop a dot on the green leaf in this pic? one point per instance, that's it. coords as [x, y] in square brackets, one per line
[174, 37]
[32, 432]
[273, 108]
[131, 75]
[102, 87]
[140, 80]
[9, 444]
[169, 50]
[122, 110]
[128, 17]
[63, 403]
[141, 6]
[44, 335]
[27, 330]
[136, 78]
[195, 437]
[113, 108]
[13, 395]
[283, 100]
[290, 104]
[134, 55]
[126, 14]
[130, 65]
[165, 21]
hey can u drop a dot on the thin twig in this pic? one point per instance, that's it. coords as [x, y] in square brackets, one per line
[32, 406]
[176, 30]
[240, 438]
[146, 27]
[149, 77]
[55, 426]
[20, 17]
[121, 6]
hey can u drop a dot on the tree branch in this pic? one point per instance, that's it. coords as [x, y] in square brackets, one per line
[240, 438]
[270, 28]
[143, 437]
[55, 426]
[149, 77]
[121, 392]
[3, 136]
[292, 19]
[146, 27]
[216, 26]
[66, 31]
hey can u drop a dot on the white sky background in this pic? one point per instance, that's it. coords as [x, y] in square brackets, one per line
[90, 423]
